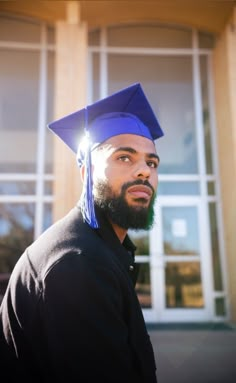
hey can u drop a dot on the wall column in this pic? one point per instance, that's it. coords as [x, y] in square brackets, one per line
[70, 95]
[224, 64]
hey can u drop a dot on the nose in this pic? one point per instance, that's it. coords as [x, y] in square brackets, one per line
[142, 170]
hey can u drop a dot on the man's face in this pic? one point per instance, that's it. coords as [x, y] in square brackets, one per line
[125, 180]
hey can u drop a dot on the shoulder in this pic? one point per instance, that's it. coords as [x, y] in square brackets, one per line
[66, 242]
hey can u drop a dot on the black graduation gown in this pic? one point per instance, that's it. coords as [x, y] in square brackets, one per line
[70, 312]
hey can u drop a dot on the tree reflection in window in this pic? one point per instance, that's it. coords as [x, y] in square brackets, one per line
[16, 232]
[183, 285]
[143, 285]
[141, 240]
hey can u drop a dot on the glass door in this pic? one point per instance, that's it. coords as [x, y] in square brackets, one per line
[179, 262]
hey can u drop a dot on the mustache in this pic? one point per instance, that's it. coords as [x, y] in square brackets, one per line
[137, 182]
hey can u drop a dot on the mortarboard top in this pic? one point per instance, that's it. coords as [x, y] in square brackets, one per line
[127, 111]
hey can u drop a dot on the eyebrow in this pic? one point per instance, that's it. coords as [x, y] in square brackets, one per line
[133, 151]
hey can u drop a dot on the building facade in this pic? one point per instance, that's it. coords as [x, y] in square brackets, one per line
[55, 57]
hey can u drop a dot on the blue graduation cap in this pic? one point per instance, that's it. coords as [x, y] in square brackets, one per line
[125, 112]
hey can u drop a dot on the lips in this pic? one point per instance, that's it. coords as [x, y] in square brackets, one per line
[140, 191]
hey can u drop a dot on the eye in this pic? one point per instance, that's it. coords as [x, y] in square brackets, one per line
[124, 158]
[152, 164]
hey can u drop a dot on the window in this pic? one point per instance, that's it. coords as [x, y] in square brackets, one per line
[26, 150]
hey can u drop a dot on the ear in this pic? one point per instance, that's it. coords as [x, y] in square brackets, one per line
[82, 172]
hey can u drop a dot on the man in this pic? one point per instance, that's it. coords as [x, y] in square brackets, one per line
[70, 312]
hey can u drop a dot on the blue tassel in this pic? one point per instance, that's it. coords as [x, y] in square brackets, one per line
[87, 200]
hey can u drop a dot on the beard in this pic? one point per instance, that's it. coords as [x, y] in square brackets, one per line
[116, 208]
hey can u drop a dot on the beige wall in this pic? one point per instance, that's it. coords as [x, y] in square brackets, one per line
[70, 95]
[224, 64]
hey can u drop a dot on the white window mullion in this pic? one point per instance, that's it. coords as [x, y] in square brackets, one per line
[199, 115]
[41, 134]
[90, 78]
[207, 275]
[103, 65]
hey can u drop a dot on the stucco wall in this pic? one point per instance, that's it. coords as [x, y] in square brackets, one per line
[224, 64]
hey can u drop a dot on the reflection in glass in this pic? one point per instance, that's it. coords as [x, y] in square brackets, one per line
[217, 272]
[178, 188]
[48, 153]
[180, 228]
[141, 240]
[16, 232]
[157, 36]
[183, 285]
[50, 35]
[19, 30]
[47, 216]
[48, 188]
[168, 84]
[19, 110]
[143, 286]
[17, 188]
[206, 114]
[48, 157]
[206, 40]
[94, 37]
[96, 76]
[220, 306]
[4, 278]
[211, 188]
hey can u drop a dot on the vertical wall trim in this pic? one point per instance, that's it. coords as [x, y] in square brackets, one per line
[214, 145]
[41, 133]
[207, 275]
[103, 64]
[70, 95]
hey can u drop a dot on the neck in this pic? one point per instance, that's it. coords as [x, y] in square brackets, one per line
[120, 232]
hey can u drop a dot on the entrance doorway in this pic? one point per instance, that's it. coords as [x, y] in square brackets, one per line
[175, 273]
